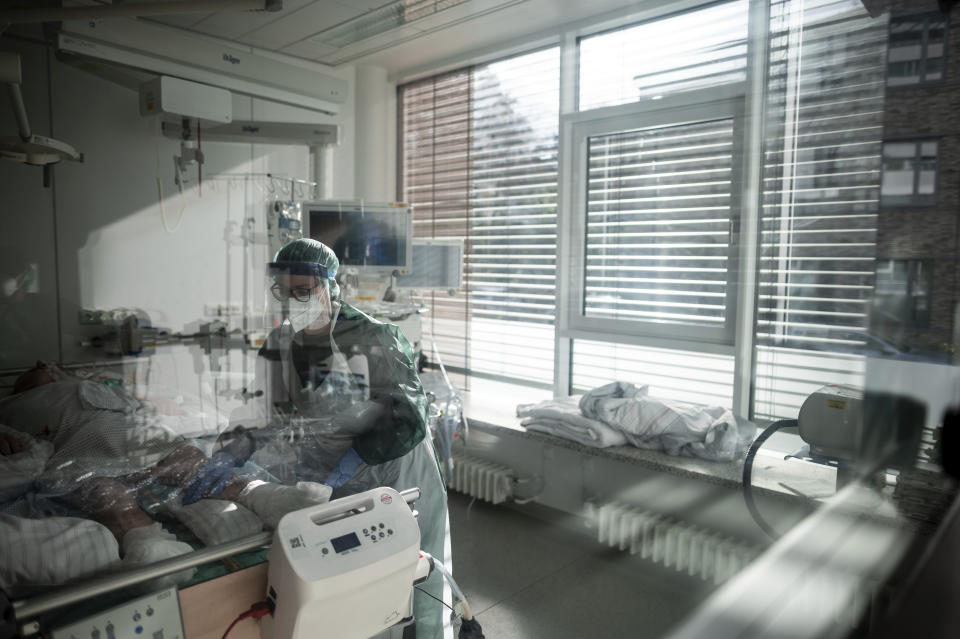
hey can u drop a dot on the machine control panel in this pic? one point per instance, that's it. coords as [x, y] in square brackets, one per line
[155, 616]
[351, 541]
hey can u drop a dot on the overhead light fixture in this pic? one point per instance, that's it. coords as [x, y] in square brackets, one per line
[381, 20]
[28, 147]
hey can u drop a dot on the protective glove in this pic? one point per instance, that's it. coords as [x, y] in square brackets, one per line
[344, 470]
[211, 478]
[270, 502]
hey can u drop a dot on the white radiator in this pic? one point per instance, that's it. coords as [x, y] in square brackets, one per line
[481, 479]
[671, 542]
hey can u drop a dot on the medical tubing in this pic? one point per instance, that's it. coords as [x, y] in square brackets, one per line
[163, 212]
[438, 565]
[453, 389]
[748, 472]
[443, 369]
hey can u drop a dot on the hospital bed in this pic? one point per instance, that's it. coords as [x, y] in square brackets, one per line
[349, 565]
[197, 421]
[222, 570]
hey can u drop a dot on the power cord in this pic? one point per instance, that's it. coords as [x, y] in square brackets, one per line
[748, 474]
[435, 597]
[256, 611]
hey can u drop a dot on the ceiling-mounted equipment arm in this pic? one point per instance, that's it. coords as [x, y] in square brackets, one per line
[11, 75]
[28, 148]
[19, 111]
[134, 9]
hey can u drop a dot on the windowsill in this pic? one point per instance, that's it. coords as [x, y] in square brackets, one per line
[491, 407]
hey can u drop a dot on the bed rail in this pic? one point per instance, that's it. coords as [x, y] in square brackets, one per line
[26, 609]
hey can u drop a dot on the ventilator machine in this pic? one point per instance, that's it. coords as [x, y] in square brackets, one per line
[347, 569]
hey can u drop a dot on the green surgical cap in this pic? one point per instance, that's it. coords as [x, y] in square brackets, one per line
[314, 252]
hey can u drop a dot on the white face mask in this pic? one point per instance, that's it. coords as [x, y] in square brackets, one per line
[313, 314]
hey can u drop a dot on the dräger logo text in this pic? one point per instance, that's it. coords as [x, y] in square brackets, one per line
[229, 58]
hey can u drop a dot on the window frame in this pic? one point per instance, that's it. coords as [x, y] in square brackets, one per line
[576, 128]
[915, 200]
[926, 17]
[927, 265]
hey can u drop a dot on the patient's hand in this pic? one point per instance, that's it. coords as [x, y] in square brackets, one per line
[177, 468]
[9, 445]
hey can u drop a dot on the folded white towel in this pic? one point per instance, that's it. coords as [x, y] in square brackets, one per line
[562, 418]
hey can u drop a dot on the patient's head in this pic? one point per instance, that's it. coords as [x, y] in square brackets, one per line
[36, 376]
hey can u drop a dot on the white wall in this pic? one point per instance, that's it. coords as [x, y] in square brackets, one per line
[111, 246]
[28, 324]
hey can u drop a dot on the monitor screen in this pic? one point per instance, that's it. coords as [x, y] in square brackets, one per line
[373, 236]
[436, 264]
[345, 543]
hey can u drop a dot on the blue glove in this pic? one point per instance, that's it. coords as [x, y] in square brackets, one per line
[345, 468]
[211, 478]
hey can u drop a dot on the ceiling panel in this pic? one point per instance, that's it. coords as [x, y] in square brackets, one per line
[300, 24]
[230, 25]
[309, 50]
[443, 45]
[366, 5]
[383, 41]
[183, 20]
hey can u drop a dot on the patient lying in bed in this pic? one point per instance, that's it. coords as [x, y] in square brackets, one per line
[94, 448]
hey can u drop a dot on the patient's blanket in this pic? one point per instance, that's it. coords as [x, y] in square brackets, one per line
[562, 417]
[38, 553]
[95, 430]
[707, 432]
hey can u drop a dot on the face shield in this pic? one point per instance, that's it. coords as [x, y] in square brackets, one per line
[298, 294]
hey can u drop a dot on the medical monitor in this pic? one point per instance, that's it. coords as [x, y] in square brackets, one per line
[436, 264]
[363, 235]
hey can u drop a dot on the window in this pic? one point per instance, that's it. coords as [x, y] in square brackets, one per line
[655, 210]
[649, 61]
[902, 296]
[656, 160]
[479, 154]
[909, 173]
[917, 49]
[653, 174]
[821, 184]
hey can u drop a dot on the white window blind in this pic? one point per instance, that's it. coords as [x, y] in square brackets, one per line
[686, 376]
[821, 192]
[658, 225]
[696, 49]
[479, 153]
[662, 202]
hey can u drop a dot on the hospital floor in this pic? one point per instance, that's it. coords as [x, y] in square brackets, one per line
[528, 577]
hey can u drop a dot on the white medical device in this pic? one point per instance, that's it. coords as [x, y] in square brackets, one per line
[435, 264]
[343, 569]
[831, 421]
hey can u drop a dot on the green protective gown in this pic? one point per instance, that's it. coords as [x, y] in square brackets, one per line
[394, 448]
